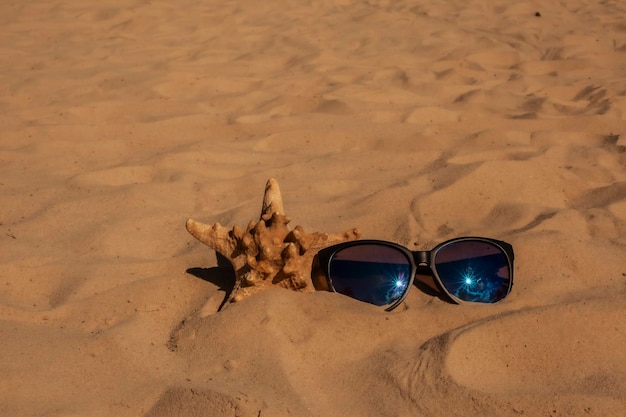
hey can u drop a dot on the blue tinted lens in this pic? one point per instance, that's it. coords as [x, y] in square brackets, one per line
[376, 274]
[474, 270]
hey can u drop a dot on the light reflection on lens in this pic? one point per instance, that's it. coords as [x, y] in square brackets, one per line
[475, 271]
[376, 274]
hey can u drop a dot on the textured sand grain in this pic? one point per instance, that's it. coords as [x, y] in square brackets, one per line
[414, 121]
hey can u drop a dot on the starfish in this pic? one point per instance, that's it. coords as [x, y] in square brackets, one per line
[267, 253]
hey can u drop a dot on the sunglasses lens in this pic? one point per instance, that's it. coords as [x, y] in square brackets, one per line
[474, 270]
[376, 274]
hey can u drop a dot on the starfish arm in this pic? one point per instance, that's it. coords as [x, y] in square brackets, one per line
[272, 200]
[214, 236]
[267, 252]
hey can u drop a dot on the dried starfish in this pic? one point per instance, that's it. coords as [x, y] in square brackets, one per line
[267, 253]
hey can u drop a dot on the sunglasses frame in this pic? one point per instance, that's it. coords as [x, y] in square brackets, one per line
[418, 260]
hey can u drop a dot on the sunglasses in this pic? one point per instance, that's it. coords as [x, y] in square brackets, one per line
[466, 269]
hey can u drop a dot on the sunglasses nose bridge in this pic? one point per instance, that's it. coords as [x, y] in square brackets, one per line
[421, 258]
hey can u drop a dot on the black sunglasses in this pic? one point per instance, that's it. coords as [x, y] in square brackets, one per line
[466, 269]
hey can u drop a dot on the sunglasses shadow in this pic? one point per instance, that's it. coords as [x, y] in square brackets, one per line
[426, 284]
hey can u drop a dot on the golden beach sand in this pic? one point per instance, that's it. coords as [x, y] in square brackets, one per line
[413, 121]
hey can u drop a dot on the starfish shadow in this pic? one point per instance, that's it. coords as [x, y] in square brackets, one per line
[222, 275]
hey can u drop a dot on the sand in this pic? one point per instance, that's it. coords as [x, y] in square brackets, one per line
[413, 121]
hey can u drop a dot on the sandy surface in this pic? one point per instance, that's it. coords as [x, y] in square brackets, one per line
[414, 121]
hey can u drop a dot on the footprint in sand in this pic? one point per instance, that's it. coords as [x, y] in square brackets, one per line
[567, 358]
[574, 347]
